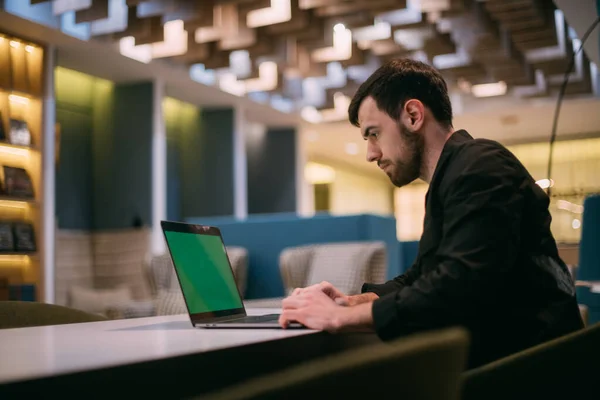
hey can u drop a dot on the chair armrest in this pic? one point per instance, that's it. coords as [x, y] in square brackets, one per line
[377, 263]
[294, 264]
[135, 309]
[238, 257]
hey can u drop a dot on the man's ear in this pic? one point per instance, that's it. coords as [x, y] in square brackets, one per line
[414, 112]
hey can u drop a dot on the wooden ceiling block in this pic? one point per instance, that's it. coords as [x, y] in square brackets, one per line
[500, 37]
[440, 43]
[153, 33]
[355, 7]
[98, 10]
[62, 6]
[135, 26]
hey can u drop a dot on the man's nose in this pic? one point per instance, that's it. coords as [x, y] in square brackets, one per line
[373, 153]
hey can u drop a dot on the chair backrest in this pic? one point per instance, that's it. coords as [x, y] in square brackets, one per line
[21, 314]
[424, 366]
[347, 265]
[566, 367]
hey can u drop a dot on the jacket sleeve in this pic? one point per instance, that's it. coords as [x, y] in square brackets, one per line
[395, 284]
[482, 210]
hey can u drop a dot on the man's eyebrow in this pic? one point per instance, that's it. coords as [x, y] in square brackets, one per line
[367, 131]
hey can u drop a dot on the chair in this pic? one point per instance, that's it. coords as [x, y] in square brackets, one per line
[424, 366]
[99, 271]
[346, 265]
[566, 367]
[168, 299]
[21, 314]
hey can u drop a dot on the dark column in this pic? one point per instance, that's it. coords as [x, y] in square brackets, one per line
[199, 161]
[271, 156]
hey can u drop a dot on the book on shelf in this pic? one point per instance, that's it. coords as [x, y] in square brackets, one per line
[17, 237]
[17, 182]
[24, 237]
[19, 132]
[7, 242]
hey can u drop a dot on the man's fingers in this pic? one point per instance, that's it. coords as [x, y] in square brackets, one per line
[292, 302]
[342, 301]
[296, 292]
[288, 316]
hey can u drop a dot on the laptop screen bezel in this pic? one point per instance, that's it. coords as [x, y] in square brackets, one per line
[170, 226]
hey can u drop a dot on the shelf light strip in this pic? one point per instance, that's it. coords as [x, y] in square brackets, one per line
[18, 99]
[13, 151]
[13, 258]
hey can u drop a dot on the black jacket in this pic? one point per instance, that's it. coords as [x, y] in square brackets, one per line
[486, 261]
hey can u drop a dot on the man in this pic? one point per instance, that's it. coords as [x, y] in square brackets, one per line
[487, 259]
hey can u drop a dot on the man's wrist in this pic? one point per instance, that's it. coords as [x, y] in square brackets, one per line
[362, 298]
[358, 318]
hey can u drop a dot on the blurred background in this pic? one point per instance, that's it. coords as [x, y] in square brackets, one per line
[116, 114]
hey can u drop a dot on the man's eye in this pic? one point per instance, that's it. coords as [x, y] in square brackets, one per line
[374, 134]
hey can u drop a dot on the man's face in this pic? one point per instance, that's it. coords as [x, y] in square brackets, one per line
[397, 150]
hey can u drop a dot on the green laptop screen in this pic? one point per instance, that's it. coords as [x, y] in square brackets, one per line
[204, 272]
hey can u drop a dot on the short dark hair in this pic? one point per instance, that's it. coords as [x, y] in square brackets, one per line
[400, 80]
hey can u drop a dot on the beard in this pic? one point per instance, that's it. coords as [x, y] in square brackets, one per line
[407, 170]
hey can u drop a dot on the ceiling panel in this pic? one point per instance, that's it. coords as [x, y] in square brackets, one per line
[268, 45]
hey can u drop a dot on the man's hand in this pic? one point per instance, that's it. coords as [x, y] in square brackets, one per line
[336, 295]
[315, 309]
[331, 291]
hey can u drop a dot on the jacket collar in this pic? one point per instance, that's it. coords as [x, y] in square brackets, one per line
[458, 137]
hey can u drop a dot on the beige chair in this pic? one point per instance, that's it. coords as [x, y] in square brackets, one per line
[166, 292]
[97, 271]
[346, 265]
[426, 366]
[563, 368]
[22, 314]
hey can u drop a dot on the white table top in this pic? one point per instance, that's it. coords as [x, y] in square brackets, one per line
[27, 353]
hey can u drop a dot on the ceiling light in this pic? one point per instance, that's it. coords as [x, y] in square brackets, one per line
[568, 206]
[489, 89]
[311, 114]
[341, 49]
[545, 183]
[15, 44]
[267, 80]
[339, 28]
[576, 224]
[175, 41]
[29, 48]
[352, 149]
[378, 31]
[142, 53]
[279, 11]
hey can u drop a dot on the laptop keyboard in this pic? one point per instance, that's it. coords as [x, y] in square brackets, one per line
[257, 319]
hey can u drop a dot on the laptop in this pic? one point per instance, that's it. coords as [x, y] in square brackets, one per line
[206, 279]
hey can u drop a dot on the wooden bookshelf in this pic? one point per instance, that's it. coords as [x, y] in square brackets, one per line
[21, 88]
